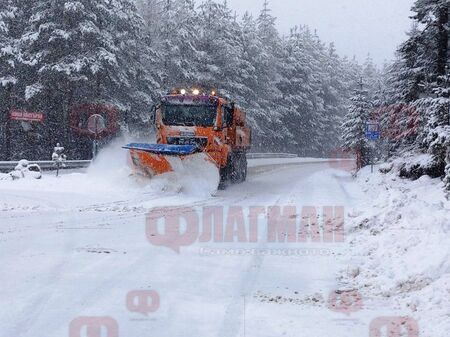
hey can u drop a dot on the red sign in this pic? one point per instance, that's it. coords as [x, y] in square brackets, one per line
[94, 120]
[22, 115]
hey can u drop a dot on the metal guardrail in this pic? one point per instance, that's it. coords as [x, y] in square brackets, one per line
[270, 155]
[7, 166]
[46, 165]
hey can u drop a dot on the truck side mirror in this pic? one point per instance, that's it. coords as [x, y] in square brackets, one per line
[229, 116]
[153, 115]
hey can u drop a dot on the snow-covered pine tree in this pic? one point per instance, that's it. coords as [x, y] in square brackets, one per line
[250, 47]
[320, 76]
[335, 96]
[233, 57]
[407, 75]
[176, 43]
[137, 85]
[257, 90]
[268, 66]
[328, 103]
[371, 76]
[267, 26]
[8, 47]
[447, 174]
[97, 51]
[14, 17]
[354, 139]
[351, 75]
[434, 14]
[434, 59]
[151, 12]
[401, 87]
[7, 76]
[220, 48]
[85, 51]
[301, 88]
[418, 87]
[351, 79]
[437, 128]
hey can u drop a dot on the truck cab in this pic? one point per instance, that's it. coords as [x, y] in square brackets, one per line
[212, 123]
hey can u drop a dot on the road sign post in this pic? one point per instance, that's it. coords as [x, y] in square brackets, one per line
[96, 125]
[373, 133]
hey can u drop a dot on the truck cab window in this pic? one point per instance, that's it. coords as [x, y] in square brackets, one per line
[227, 116]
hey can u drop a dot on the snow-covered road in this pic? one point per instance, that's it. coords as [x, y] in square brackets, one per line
[75, 249]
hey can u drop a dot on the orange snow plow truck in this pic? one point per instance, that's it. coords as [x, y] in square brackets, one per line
[191, 124]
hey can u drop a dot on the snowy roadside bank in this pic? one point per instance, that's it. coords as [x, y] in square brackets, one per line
[400, 247]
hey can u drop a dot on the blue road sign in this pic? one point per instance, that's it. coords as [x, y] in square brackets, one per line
[373, 131]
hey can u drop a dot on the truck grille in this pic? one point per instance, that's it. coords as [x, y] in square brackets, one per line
[200, 142]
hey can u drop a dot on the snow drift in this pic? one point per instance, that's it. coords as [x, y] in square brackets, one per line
[194, 176]
[400, 247]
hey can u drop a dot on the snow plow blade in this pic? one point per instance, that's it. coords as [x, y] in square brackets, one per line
[169, 150]
[155, 159]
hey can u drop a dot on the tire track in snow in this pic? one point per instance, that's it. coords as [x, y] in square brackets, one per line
[233, 321]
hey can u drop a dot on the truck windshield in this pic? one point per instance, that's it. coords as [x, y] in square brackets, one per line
[189, 115]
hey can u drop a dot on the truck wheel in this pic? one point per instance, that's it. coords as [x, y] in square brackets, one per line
[244, 167]
[239, 168]
[235, 171]
[226, 173]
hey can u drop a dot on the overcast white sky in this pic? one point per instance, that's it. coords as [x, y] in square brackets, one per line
[356, 26]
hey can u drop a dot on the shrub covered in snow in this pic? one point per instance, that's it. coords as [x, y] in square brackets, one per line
[25, 170]
[59, 157]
